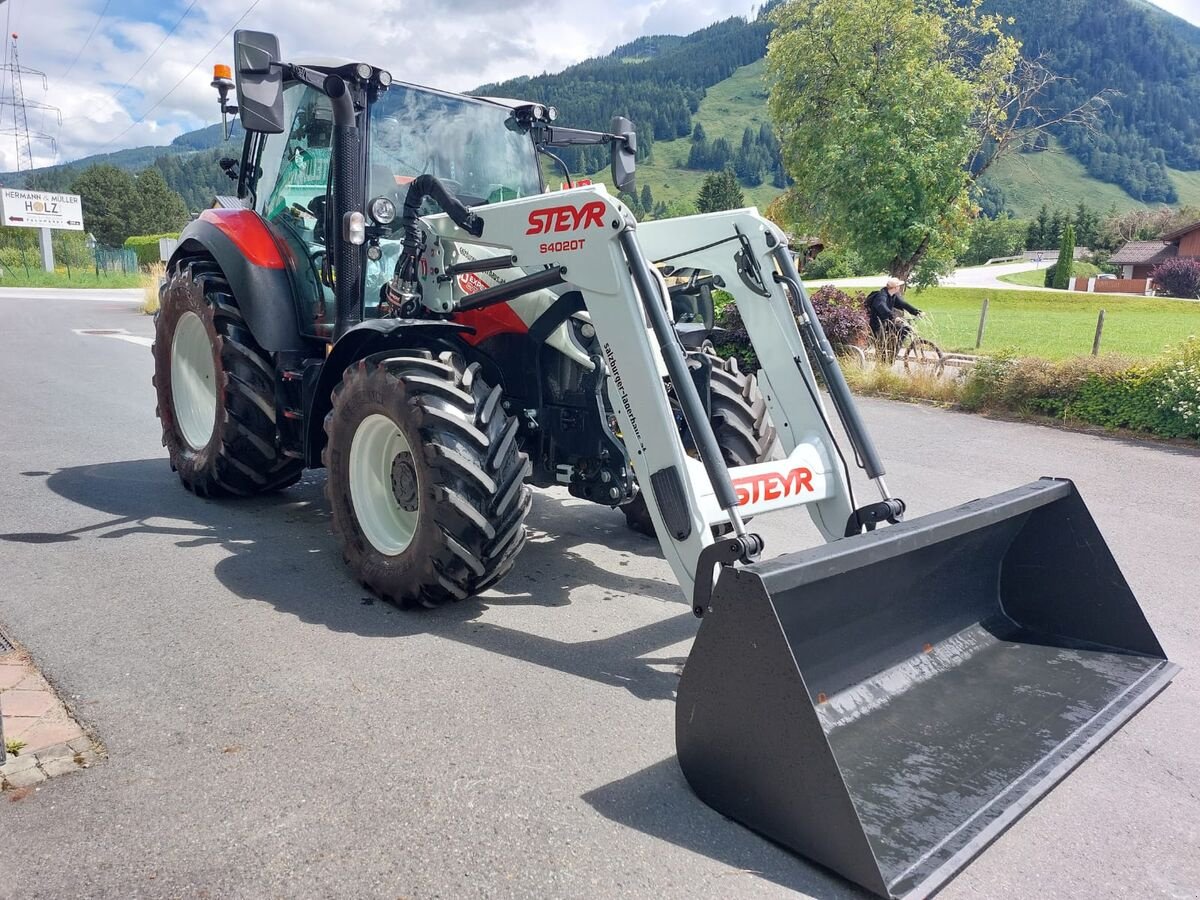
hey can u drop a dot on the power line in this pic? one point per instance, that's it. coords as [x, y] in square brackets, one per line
[154, 52]
[186, 76]
[88, 39]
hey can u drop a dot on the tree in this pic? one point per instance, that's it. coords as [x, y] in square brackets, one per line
[994, 238]
[720, 191]
[1066, 259]
[889, 109]
[111, 207]
[1039, 230]
[162, 210]
[647, 198]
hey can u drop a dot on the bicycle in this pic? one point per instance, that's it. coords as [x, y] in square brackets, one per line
[916, 353]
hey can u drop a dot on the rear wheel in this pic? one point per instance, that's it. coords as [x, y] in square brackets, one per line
[215, 388]
[426, 483]
[739, 418]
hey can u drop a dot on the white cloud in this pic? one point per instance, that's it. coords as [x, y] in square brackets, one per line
[418, 40]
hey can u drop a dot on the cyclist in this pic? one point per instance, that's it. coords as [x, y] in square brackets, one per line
[887, 325]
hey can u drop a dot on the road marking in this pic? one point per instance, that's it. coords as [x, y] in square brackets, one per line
[93, 295]
[119, 333]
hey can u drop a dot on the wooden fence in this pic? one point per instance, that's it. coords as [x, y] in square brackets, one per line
[1113, 285]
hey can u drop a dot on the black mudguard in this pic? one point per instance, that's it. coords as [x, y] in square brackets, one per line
[365, 339]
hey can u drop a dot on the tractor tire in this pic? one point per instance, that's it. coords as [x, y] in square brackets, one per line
[216, 389]
[740, 421]
[426, 482]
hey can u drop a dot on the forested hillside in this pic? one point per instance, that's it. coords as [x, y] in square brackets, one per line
[658, 82]
[1150, 61]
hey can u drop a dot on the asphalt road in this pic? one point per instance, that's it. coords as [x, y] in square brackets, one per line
[273, 732]
[968, 276]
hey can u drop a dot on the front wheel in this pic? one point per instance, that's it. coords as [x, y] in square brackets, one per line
[426, 483]
[924, 356]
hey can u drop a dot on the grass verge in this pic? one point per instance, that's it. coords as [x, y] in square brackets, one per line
[1159, 398]
[151, 279]
[78, 278]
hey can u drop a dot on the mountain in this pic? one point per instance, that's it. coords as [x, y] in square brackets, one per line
[699, 103]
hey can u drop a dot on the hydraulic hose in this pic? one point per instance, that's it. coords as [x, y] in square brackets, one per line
[422, 187]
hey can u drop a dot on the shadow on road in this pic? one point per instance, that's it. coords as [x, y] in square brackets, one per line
[657, 801]
[282, 552]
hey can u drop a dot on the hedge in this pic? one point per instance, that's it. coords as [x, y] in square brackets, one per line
[146, 246]
[1160, 398]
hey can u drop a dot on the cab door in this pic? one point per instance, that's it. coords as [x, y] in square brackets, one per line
[293, 196]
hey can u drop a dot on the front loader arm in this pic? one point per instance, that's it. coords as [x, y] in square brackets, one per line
[592, 240]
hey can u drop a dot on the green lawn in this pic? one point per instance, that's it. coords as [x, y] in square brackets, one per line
[1031, 278]
[1054, 325]
[85, 278]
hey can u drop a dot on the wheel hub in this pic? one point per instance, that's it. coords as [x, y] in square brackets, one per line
[404, 482]
[193, 381]
[383, 484]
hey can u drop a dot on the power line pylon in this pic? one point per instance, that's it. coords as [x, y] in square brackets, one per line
[23, 138]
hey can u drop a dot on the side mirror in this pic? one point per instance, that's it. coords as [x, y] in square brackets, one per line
[259, 81]
[624, 153]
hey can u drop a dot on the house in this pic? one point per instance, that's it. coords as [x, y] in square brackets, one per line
[1137, 259]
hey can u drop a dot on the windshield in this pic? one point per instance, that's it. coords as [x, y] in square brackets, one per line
[465, 144]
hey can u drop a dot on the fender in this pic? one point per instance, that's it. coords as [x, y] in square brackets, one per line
[364, 339]
[257, 268]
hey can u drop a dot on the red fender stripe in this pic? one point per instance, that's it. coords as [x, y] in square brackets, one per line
[249, 233]
[490, 321]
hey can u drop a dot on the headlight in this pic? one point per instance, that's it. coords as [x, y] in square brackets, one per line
[385, 78]
[363, 71]
[382, 210]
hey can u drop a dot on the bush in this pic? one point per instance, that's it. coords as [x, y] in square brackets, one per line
[834, 262]
[1177, 278]
[146, 246]
[1160, 398]
[842, 315]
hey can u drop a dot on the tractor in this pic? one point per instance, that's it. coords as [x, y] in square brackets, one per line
[393, 295]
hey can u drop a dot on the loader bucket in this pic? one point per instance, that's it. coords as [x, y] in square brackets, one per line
[886, 705]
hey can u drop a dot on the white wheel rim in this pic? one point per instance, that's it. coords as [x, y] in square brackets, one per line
[193, 381]
[385, 523]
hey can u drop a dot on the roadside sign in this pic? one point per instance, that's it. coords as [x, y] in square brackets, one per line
[40, 209]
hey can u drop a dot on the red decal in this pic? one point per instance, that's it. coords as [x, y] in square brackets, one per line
[470, 283]
[566, 218]
[772, 485]
[491, 321]
[249, 233]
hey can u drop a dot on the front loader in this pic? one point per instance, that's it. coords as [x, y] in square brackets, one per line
[394, 296]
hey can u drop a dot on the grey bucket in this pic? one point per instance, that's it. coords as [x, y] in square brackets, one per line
[886, 705]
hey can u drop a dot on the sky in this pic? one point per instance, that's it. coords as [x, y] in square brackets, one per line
[128, 73]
